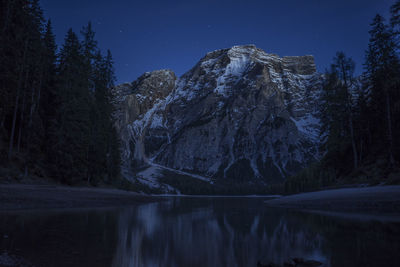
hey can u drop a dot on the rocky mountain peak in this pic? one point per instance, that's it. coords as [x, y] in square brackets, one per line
[243, 55]
[239, 114]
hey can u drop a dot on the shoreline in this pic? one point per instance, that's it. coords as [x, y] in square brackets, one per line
[15, 197]
[377, 199]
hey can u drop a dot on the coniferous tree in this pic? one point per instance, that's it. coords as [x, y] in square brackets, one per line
[105, 150]
[395, 24]
[98, 142]
[20, 80]
[344, 67]
[337, 114]
[363, 120]
[55, 110]
[31, 130]
[331, 111]
[382, 71]
[395, 16]
[89, 52]
[113, 154]
[15, 55]
[72, 123]
[49, 102]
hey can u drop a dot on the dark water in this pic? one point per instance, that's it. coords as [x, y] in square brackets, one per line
[194, 232]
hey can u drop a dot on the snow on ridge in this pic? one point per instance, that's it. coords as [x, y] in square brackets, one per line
[237, 48]
[140, 124]
[308, 125]
[241, 57]
[156, 121]
[185, 89]
[233, 71]
[219, 73]
[237, 65]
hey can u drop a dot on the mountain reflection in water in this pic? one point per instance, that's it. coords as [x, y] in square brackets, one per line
[196, 232]
[223, 234]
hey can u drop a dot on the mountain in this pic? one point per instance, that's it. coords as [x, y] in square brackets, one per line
[240, 114]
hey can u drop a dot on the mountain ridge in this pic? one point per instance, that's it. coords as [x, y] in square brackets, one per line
[239, 114]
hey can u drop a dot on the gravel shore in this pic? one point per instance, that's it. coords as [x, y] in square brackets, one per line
[374, 199]
[20, 196]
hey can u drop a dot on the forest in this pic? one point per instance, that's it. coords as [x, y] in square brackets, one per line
[360, 116]
[55, 104]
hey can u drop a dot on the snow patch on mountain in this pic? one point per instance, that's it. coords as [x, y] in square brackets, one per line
[240, 113]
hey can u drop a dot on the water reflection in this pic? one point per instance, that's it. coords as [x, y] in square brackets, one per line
[194, 232]
[223, 232]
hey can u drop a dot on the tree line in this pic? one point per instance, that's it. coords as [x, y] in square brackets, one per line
[360, 116]
[55, 104]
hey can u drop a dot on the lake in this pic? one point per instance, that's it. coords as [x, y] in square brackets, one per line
[195, 231]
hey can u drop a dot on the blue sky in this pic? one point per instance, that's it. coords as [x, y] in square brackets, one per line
[153, 34]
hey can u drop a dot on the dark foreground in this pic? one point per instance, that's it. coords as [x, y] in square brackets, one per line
[18, 196]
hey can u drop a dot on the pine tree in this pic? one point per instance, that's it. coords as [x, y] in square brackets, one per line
[363, 119]
[55, 110]
[395, 24]
[49, 102]
[382, 71]
[98, 144]
[90, 53]
[105, 157]
[103, 143]
[395, 16]
[21, 32]
[15, 41]
[71, 131]
[33, 126]
[113, 147]
[344, 67]
[338, 112]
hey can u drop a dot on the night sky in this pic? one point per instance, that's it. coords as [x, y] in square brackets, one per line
[175, 34]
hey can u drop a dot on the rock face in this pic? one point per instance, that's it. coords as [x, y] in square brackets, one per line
[134, 117]
[239, 114]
